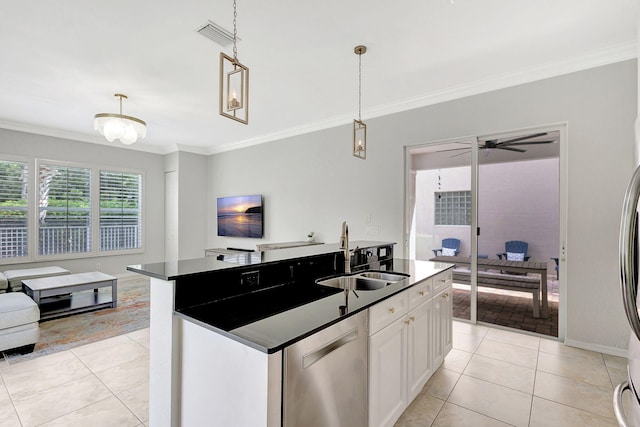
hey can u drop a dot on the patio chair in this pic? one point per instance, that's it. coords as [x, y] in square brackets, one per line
[450, 247]
[515, 250]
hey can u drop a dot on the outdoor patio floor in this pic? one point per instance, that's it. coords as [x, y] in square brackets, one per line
[509, 309]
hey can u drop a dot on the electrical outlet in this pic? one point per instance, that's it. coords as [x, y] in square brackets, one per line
[250, 278]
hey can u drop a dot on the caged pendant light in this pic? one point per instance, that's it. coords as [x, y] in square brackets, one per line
[118, 126]
[359, 127]
[234, 82]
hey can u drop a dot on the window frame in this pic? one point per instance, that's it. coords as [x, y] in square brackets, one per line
[450, 205]
[30, 202]
[69, 165]
[33, 197]
[142, 202]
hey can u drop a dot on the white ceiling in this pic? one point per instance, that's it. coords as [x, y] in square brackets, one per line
[61, 62]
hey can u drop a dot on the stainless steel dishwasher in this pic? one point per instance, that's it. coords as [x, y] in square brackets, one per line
[325, 377]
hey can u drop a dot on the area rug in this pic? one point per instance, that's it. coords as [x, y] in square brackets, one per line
[131, 314]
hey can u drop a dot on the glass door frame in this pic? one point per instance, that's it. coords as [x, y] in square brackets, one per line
[563, 243]
[473, 233]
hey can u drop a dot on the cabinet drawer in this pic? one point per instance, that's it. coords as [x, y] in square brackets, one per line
[385, 312]
[442, 281]
[420, 293]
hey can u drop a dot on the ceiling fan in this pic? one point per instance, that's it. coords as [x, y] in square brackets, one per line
[510, 144]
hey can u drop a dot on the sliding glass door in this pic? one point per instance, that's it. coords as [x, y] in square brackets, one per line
[478, 201]
[441, 212]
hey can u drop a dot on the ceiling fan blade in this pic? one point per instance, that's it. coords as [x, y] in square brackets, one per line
[522, 138]
[519, 150]
[525, 143]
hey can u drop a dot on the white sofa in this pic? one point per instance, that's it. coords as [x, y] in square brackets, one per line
[15, 277]
[19, 327]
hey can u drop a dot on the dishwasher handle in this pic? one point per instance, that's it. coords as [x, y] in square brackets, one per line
[311, 358]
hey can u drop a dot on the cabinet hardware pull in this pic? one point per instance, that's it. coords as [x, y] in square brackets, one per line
[421, 293]
[392, 310]
[412, 318]
[407, 321]
[445, 296]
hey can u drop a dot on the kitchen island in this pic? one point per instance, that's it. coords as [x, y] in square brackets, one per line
[219, 328]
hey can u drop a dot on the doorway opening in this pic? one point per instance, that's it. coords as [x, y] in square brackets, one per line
[495, 200]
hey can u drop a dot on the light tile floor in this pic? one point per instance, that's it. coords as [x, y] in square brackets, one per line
[101, 384]
[491, 377]
[494, 377]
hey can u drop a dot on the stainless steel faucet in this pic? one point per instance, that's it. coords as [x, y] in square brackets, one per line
[344, 245]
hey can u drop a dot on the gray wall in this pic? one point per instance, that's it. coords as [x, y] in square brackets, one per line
[45, 147]
[186, 203]
[311, 182]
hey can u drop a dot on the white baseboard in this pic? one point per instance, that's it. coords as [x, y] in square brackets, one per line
[612, 351]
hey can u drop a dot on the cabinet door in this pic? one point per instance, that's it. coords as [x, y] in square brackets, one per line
[419, 354]
[442, 326]
[388, 374]
[437, 334]
[447, 320]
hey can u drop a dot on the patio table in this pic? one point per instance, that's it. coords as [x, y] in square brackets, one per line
[509, 266]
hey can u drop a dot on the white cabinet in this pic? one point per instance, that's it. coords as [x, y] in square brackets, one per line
[399, 352]
[410, 334]
[388, 374]
[442, 325]
[419, 353]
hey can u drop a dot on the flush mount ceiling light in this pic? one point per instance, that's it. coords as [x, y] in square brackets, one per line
[234, 82]
[118, 126]
[359, 127]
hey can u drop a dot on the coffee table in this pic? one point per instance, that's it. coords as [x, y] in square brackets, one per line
[59, 296]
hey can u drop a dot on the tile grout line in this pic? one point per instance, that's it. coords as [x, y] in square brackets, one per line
[13, 405]
[109, 389]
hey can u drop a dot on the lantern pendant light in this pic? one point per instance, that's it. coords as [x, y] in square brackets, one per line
[234, 83]
[359, 127]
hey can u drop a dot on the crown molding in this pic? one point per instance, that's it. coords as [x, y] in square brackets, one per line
[96, 139]
[616, 53]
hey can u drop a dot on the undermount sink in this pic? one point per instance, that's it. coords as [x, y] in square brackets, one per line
[383, 275]
[366, 281]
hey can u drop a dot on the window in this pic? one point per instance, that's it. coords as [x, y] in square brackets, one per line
[452, 208]
[14, 210]
[64, 209]
[120, 210]
[55, 210]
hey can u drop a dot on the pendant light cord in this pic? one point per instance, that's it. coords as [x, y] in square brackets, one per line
[235, 32]
[359, 87]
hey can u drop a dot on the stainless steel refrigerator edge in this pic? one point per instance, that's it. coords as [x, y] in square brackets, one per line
[627, 411]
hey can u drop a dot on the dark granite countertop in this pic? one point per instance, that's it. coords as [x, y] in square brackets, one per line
[278, 331]
[172, 270]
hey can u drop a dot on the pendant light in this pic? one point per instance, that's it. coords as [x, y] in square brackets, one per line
[118, 126]
[359, 127]
[234, 82]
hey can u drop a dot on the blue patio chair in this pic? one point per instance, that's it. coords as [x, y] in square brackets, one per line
[515, 250]
[450, 247]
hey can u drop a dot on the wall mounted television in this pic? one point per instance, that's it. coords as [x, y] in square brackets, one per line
[240, 216]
